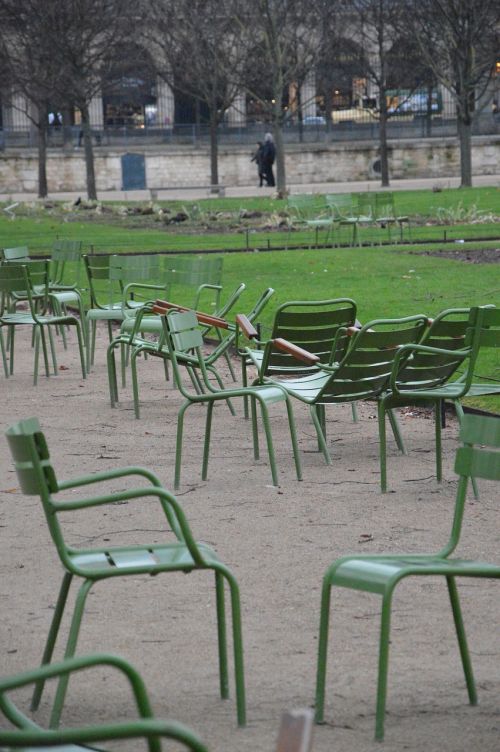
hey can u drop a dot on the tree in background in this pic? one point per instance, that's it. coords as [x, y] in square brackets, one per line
[198, 52]
[30, 68]
[281, 50]
[459, 41]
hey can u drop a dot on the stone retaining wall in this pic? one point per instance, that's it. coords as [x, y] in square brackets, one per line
[307, 163]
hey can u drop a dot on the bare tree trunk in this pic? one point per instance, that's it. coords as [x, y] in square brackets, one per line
[464, 135]
[384, 151]
[89, 154]
[42, 154]
[214, 146]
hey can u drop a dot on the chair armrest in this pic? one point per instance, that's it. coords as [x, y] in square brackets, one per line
[298, 352]
[162, 307]
[104, 475]
[246, 326]
[145, 728]
[406, 351]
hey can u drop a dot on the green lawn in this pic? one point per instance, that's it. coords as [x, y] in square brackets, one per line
[384, 280]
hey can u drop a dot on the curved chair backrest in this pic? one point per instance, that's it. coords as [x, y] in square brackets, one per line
[341, 205]
[97, 268]
[35, 473]
[306, 206]
[65, 252]
[365, 369]
[312, 325]
[29, 736]
[20, 253]
[19, 280]
[448, 331]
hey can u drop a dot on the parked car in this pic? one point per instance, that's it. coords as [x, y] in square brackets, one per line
[314, 120]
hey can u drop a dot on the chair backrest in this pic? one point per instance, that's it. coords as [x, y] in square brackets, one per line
[194, 272]
[20, 253]
[20, 280]
[312, 325]
[306, 206]
[97, 268]
[35, 473]
[364, 204]
[478, 458]
[65, 253]
[448, 331]
[365, 369]
[296, 731]
[384, 204]
[341, 205]
[184, 335]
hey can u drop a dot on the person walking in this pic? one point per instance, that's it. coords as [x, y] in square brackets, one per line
[268, 157]
[257, 158]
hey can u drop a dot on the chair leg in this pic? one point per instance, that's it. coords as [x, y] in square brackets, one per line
[383, 665]
[221, 635]
[70, 651]
[269, 438]
[81, 348]
[255, 430]
[4, 355]
[460, 415]
[354, 410]
[462, 640]
[52, 349]
[437, 429]
[112, 382]
[393, 420]
[293, 434]
[239, 670]
[206, 443]
[52, 636]
[11, 337]
[178, 445]
[320, 435]
[135, 382]
[324, 624]
[244, 381]
[382, 443]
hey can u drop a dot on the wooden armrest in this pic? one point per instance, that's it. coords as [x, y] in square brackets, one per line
[163, 306]
[298, 352]
[206, 318]
[246, 326]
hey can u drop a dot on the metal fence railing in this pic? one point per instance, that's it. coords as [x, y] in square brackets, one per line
[417, 126]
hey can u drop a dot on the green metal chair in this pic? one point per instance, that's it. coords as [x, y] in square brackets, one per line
[65, 287]
[453, 342]
[309, 212]
[361, 373]
[183, 334]
[312, 325]
[29, 736]
[379, 574]
[37, 478]
[119, 285]
[386, 215]
[28, 278]
[203, 274]
[344, 214]
[19, 253]
[160, 348]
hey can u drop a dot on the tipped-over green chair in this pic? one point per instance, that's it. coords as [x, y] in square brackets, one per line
[38, 478]
[160, 349]
[361, 373]
[30, 277]
[379, 574]
[453, 342]
[183, 334]
[28, 736]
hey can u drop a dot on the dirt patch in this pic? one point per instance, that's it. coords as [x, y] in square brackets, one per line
[468, 255]
[277, 541]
